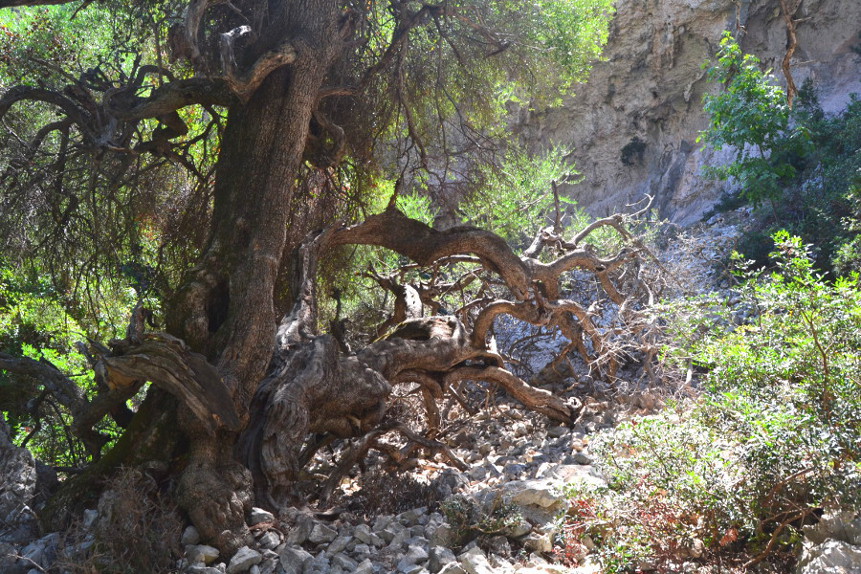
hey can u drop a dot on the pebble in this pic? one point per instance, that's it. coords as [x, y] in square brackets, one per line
[259, 515]
[190, 536]
[243, 560]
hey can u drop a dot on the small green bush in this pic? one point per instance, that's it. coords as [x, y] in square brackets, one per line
[750, 114]
[517, 200]
[774, 438]
[800, 164]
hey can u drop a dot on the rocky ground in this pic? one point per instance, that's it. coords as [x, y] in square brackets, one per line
[500, 516]
[518, 466]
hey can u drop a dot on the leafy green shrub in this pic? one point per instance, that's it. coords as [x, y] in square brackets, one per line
[775, 436]
[517, 200]
[40, 321]
[751, 115]
[847, 257]
[801, 162]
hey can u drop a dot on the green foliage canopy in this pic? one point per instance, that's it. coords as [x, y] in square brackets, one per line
[750, 114]
[803, 162]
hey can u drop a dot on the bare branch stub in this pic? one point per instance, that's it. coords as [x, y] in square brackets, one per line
[167, 362]
[788, 9]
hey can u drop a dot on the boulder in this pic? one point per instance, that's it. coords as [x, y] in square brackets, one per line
[320, 534]
[189, 536]
[243, 560]
[294, 560]
[269, 540]
[18, 479]
[830, 557]
[414, 555]
[540, 500]
[474, 561]
[258, 515]
[300, 531]
[845, 526]
[439, 557]
[41, 552]
[201, 553]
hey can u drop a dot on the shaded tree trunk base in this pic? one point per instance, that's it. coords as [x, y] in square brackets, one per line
[151, 443]
[318, 389]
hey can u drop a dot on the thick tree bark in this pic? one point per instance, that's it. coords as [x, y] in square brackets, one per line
[222, 321]
[228, 310]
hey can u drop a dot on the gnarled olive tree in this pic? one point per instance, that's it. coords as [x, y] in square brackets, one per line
[286, 97]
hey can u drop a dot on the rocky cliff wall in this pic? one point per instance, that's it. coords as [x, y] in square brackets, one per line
[634, 125]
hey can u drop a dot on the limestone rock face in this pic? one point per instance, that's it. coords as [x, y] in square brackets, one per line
[17, 489]
[634, 124]
[830, 557]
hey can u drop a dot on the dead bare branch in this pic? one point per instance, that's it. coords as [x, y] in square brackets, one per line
[788, 8]
[539, 400]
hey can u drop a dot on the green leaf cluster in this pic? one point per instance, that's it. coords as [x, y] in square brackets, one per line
[803, 164]
[40, 321]
[473, 63]
[750, 113]
[516, 199]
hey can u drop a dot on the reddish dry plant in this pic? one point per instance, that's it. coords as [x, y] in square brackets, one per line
[578, 521]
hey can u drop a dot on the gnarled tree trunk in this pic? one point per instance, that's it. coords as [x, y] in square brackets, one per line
[225, 366]
[225, 310]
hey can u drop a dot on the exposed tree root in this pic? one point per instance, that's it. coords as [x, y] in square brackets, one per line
[315, 387]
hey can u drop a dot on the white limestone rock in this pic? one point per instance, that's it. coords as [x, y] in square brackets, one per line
[243, 560]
